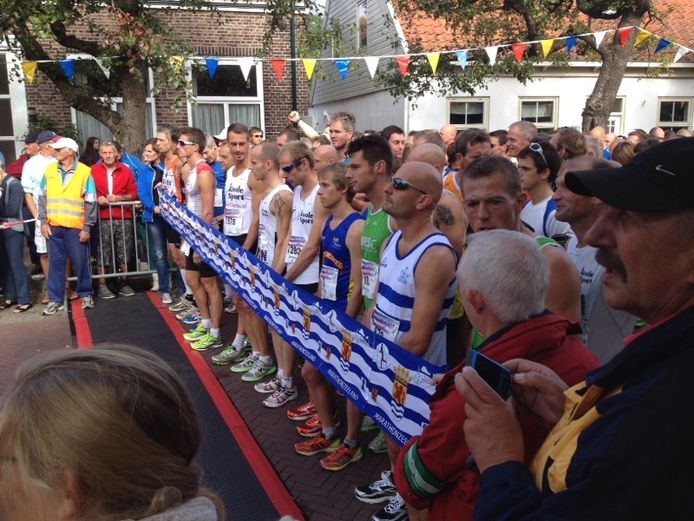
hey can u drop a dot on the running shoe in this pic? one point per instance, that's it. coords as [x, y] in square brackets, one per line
[52, 308]
[231, 309]
[267, 387]
[105, 293]
[208, 341]
[378, 444]
[88, 302]
[342, 457]
[313, 426]
[196, 334]
[378, 491]
[395, 510]
[126, 291]
[259, 371]
[166, 298]
[302, 413]
[229, 354]
[281, 396]
[317, 445]
[191, 319]
[190, 310]
[368, 425]
[245, 365]
[179, 306]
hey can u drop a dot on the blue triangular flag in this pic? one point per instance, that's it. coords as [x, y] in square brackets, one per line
[211, 66]
[342, 68]
[662, 44]
[68, 67]
[462, 58]
[571, 43]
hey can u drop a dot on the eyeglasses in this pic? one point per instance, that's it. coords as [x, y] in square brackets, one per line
[182, 143]
[257, 135]
[400, 184]
[294, 164]
[537, 148]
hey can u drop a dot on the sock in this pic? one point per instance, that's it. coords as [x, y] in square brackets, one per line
[266, 359]
[214, 331]
[329, 433]
[280, 373]
[286, 382]
[189, 291]
[352, 444]
[238, 341]
[206, 323]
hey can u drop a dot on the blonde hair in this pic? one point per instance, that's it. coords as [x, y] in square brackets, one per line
[116, 417]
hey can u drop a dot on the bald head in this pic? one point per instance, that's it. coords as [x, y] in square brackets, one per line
[423, 176]
[428, 153]
[448, 133]
[325, 155]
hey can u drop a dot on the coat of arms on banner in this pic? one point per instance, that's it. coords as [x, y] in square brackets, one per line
[346, 345]
[399, 391]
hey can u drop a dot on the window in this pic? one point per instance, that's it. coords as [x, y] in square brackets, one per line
[615, 121]
[468, 112]
[540, 111]
[362, 25]
[7, 137]
[674, 113]
[227, 98]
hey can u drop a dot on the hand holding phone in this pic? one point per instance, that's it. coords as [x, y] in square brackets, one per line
[496, 375]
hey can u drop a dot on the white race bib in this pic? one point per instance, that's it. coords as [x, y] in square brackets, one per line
[369, 276]
[385, 326]
[328, 282]
[294, 247]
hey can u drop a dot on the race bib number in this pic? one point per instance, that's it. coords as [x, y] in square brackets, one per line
[369, 275]
[263, 243]
[328, 282]
[218, 197]
[385, 326]
[294, 247]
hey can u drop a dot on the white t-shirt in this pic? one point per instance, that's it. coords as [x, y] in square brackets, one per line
[534, 215]
[32, 174]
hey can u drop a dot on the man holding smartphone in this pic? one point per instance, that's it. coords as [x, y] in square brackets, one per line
[504, 278]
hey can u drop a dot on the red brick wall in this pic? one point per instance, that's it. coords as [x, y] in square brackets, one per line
[223, 34]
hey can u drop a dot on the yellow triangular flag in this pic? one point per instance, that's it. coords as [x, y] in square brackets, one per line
[29, 71]
[546, 46]
[641, 37]
[433, 58]
[309, 65]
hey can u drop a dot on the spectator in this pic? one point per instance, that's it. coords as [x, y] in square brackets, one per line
[256, 136]
[623, 152]
[91, 151]
[448, 133]
[657, 133]
[342, 128]
[286, 136]
[114, 435]
[519, 136]
[115, 183]
[497, 138]
[504, 282]
[636, 136]
[569, 142]
[395, 136]
[67, 211]
[15, 279]
[30, 150]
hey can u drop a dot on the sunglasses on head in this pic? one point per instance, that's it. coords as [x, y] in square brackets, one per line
[537, 148]
[288, 168]
[400, 184]
[183, 143]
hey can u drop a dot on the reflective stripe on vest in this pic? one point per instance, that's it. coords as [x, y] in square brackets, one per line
[65, 204]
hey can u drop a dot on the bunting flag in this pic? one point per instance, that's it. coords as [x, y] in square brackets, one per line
[371, 64]
[491, 53]
[104, 69]
[309, 65]
[519, 51]
[246, 65]
[680, 53]
[462, 58]
[546, 47]
[662, 44]
[211, 66]
[571, 42]
[624, 34]
[403, 64]
[641, 36]
[599, 37]
[29, 71]
[433, 58]
[68, 67]
[278, 66]
[342, 68]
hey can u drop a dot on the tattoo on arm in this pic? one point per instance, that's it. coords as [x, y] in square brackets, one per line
[444, 215]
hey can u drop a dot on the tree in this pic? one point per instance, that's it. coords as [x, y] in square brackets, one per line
[124, 35]
[490, 22]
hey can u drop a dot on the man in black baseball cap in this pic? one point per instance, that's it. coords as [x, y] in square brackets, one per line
[621, 443]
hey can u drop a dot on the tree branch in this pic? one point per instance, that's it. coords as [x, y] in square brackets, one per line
[71, 41]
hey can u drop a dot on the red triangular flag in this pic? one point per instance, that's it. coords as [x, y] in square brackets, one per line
[278, 67]
[519, 50]
[403, 64]
[624, 34]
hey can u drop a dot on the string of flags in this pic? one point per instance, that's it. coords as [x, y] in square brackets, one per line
[403, 62]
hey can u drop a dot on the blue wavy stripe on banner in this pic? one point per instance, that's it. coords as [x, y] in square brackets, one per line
[388, 383]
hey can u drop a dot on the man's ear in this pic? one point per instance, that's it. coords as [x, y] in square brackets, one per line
[476, 300]
[71, 497]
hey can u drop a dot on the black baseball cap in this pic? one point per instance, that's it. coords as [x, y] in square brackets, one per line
[46, 136]
[31, 137]
[660, 178]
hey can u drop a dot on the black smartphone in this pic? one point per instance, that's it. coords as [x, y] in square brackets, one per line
[496, 375]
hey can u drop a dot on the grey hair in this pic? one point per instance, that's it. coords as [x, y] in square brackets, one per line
[209, 141]
[510, 272]
[527, 129]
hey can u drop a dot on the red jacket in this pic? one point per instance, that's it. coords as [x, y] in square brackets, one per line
[441, 455]
[15, 168]
[123, 183]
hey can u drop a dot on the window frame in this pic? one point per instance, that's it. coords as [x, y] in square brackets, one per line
[467, 99]
[675, 124]
[226, 101]
[539, 99]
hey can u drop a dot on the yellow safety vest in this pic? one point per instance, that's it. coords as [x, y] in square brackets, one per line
[65, 204]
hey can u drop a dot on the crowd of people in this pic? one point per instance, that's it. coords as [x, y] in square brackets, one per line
[544, 251]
